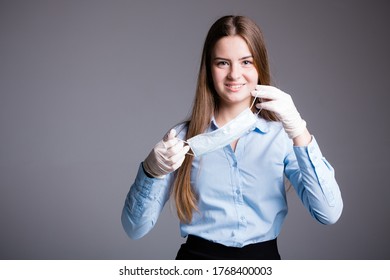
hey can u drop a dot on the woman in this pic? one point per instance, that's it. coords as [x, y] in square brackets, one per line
[231, 199]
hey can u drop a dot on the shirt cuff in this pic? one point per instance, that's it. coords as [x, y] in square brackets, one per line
[145, 185]
[308, 156]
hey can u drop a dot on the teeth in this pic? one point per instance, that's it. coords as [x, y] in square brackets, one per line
[234, 86]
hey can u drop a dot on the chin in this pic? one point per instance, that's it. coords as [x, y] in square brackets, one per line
[238, 100]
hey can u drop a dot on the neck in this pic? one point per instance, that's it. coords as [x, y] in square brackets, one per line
[227, 113]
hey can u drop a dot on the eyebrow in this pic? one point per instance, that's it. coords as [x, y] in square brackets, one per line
[242, 58]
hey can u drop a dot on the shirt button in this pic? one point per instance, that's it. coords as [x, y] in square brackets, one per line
[237, 191]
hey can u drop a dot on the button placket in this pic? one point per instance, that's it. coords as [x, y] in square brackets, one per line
[236, 182]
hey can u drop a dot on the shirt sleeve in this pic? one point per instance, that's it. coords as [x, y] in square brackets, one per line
[144, 203]
[314, 181]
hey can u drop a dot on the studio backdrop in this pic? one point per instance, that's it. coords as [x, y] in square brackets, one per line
[87, 88]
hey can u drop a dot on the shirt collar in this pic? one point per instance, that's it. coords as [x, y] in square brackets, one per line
[262, 125]
[213, 124]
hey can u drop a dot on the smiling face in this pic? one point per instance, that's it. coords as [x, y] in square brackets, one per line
[234, 74]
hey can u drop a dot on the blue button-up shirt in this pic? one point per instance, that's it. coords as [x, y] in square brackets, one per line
[242, 194]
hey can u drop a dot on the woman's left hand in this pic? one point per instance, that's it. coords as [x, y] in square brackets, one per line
[281, 103]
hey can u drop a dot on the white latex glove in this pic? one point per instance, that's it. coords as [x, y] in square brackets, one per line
[281, 103]
[167, 156]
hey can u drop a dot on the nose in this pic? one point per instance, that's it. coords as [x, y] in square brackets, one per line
[235, 72]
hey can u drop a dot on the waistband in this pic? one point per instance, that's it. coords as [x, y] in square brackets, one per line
[199, 248]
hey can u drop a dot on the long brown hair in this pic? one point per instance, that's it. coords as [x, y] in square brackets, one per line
[206, 99]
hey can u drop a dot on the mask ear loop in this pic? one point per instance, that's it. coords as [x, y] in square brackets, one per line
[253, 103]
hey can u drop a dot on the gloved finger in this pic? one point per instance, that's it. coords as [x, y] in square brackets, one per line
[169, 135]
[170, 139]
[184, 150]
[178, 164]
[266, 88]
[174, 162]
[170, 143]
[274, 106]
[272, 89]
[267, 94]
[174, 149]
[178, 158]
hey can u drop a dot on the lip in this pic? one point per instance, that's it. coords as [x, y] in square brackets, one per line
[234, 86]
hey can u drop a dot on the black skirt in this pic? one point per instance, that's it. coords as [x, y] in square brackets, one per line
[197, 248]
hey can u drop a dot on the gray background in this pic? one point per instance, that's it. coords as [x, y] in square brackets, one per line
[88, 87]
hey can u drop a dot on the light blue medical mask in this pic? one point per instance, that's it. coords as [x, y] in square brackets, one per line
[214, 140]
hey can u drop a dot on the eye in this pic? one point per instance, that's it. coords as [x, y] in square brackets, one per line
[247, 62]
[222, 63]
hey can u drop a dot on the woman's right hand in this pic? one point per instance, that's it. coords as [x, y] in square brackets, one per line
[167, 156]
